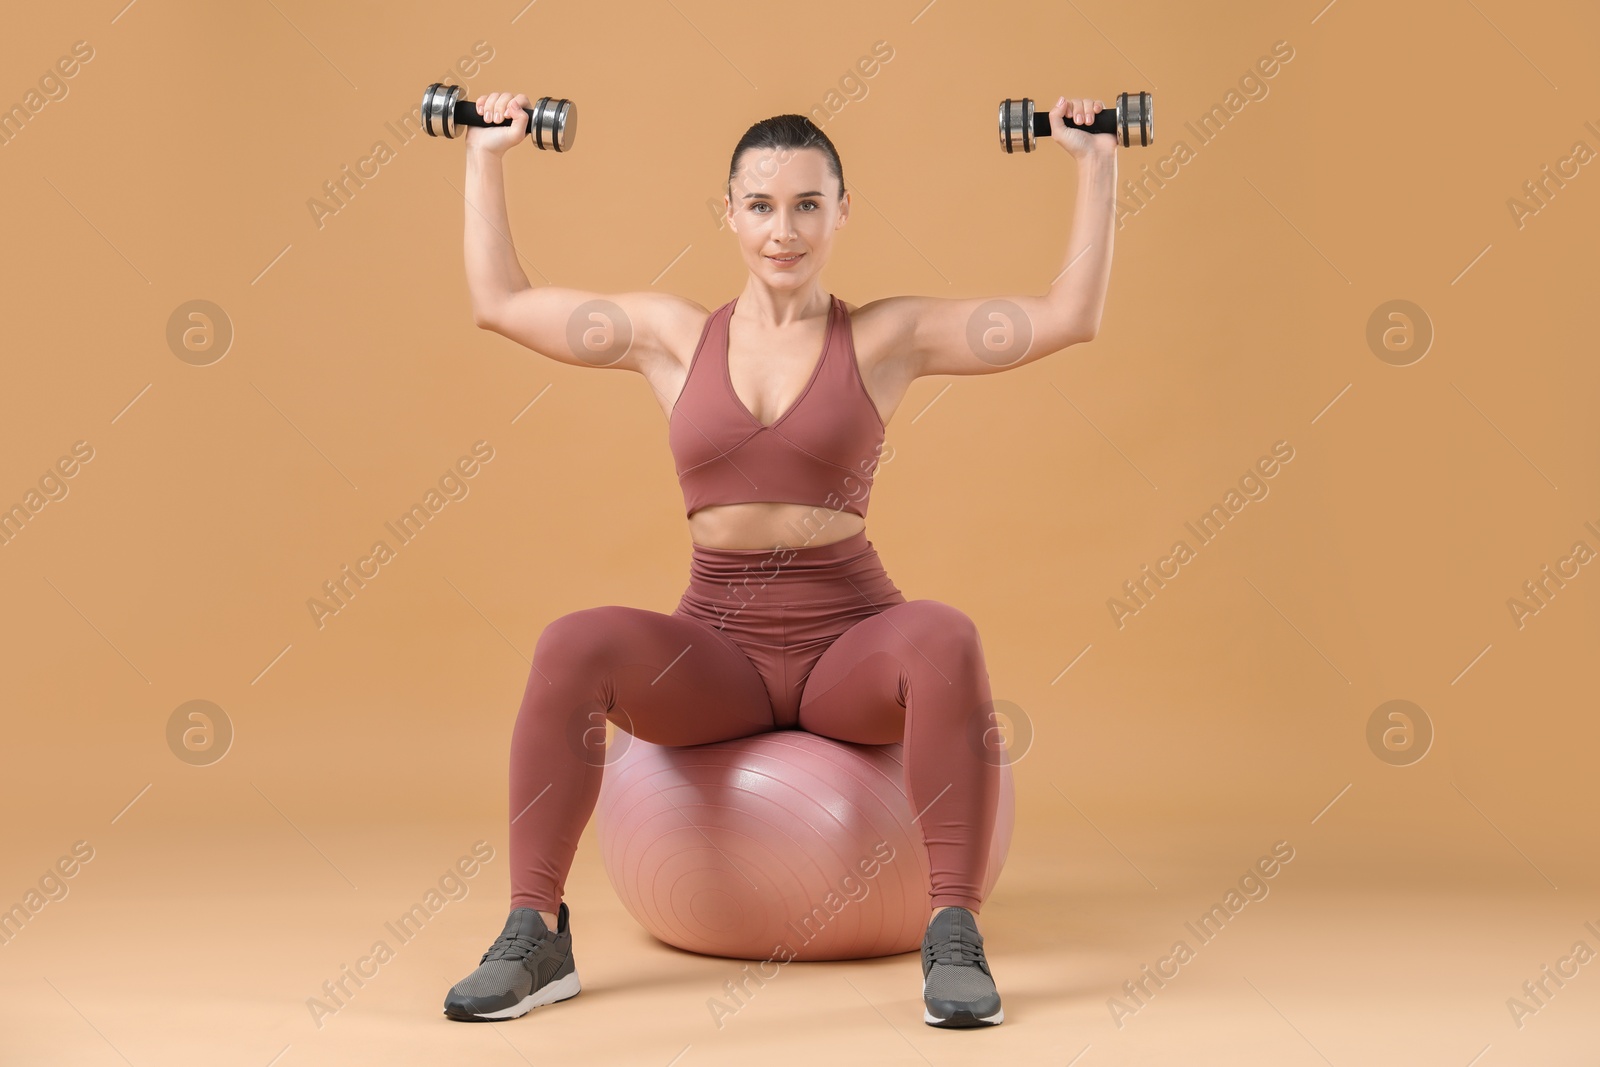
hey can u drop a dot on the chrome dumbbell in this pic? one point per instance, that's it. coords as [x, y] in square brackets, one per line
[552, 123]
[1131, 121]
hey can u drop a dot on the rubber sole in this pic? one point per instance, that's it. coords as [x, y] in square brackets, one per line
[962, 1020]
[562, 989]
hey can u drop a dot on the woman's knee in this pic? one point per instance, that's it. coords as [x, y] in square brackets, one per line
[585, 640]
[573, 675]
[942, 632]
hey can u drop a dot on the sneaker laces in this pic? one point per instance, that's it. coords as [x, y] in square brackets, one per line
[513, 947]
[957, 950]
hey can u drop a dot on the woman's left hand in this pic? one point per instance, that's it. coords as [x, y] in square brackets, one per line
[1079, 142]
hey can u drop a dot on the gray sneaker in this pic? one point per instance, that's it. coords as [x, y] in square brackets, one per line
[957, 989]
[527, 966]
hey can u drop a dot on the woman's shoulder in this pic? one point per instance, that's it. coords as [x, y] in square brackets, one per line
[881, 324]
[680, 321]
[883, 309]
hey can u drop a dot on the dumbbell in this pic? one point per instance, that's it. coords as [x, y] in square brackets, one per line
[551, 123]
[1131, 121]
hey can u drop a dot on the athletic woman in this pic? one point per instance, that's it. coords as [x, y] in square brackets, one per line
[789, 620]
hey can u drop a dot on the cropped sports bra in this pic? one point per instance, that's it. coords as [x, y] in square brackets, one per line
[822, 451]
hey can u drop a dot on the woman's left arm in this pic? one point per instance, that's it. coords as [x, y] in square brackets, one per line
[983, 335]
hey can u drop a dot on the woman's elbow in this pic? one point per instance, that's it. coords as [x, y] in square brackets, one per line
[485, 317]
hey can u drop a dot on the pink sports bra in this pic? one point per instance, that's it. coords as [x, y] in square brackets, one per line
[822, 451]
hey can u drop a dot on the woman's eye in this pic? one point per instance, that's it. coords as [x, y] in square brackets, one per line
[759, 204]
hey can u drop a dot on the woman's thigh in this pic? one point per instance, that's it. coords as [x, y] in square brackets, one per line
[666, 679]
[858, 689]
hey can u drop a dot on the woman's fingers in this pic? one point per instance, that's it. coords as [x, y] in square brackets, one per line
[1078, 110]
[519, 101]
[492, 106]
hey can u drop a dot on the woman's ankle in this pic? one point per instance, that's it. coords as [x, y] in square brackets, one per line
[935, 911]
[549, 917]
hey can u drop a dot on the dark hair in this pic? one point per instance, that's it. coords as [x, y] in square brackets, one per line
[787, 131]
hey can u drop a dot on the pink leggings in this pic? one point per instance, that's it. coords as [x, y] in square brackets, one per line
[814, 638]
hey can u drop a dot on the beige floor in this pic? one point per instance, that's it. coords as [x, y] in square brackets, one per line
[203, 952]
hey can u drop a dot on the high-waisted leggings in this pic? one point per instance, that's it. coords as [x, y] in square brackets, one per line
[814, 637]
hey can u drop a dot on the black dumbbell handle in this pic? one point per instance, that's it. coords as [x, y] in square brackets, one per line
[466, 114]
[1104, 122]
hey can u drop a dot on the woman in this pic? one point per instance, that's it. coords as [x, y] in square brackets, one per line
[789, 619]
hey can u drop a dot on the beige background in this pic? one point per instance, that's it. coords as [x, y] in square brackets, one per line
[1229, 714]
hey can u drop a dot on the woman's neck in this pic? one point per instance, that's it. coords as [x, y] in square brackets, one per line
[779, 307]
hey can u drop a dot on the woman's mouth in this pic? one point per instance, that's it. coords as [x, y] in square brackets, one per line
[787, 260]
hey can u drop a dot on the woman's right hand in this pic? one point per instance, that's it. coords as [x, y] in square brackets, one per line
[495, 107]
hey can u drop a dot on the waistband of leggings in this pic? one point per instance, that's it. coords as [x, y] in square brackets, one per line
[801, 570]
[851, 546]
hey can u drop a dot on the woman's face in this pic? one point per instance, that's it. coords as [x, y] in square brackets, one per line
[784, 209]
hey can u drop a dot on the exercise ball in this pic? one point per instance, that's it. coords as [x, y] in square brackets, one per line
[778, 846]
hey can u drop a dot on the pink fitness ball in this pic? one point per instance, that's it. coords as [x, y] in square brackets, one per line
[783, 846]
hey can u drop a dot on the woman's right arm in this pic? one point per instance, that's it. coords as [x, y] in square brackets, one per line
[585, 329]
